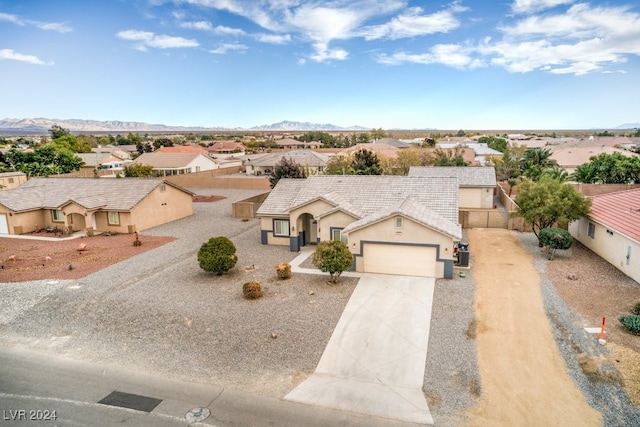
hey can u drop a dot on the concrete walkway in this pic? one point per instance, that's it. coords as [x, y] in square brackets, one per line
[374, 362]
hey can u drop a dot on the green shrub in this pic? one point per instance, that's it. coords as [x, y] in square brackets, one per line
[555, 238]
[636, 308]
[283, 270]
[252, 290]
[631, 322]
[218, 255]
[333, 257]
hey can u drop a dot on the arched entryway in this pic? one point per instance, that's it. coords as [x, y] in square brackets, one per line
[76, 222]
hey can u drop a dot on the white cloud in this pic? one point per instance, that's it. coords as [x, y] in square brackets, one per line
[224, 48]
[274, 38]
[197, 25]
[414, 23]
[529, 6]
[31, 59]
[47, 26]
[207, 26]
[148, 39]
[323, 53]
[452, 55]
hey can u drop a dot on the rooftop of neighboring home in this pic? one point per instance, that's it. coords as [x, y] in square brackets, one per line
[380, 148]
[225, 147]
[619, 211]
[575, 154]
[182, 149]
[365, 195]
[95, 159]
[467, 176]
[108, 194]
[10, 174]
[288, 142]
[393, 142]
[480, 149]
[161, 159]
[303, 157]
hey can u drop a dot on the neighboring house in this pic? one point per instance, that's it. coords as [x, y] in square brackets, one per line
[379, 148]
[482, 151]
[10, 180]
[95, 205]
[570, 156]
[116, 150]
[392, 224]
[167, 164]
[612, 230]
[476, 184]
[292, 144]
[182, 149]
[107, 161]
[313, 162]
[224, 149]
[393, 142]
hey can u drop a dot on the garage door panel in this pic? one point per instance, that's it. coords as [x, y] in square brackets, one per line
[408, 260]
[4, 228]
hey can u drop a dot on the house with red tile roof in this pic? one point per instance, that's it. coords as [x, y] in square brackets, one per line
[612, 230]
[182, 149]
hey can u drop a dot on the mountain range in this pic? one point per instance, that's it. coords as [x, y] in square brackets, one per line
[42, 125]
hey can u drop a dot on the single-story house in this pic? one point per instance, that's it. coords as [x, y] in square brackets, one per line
[392, 224]
[313, 162]
[482, 151]
[612, 230]
[292, 144]
[167, 164]
[477, 184]
[394, 142]
[9, 180]
[182, 149]
[106, 163]
[379, 148]
[570, 156]
[223, 149]
[95, 205]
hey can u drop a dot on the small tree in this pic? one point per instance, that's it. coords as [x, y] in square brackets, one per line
[133, 170]
[366, 162]
[218, 255]
[286, 168]
[554, 239]
[333, 257]
[549, 201]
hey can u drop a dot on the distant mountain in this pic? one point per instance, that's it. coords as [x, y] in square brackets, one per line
[42, 125]
[304, 126]
[629, 126]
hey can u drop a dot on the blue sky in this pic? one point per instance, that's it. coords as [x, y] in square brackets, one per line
[504, 64]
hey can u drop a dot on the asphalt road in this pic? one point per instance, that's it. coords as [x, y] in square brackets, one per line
[36, 387]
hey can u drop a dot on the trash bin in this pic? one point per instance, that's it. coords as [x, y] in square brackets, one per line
[463, 258]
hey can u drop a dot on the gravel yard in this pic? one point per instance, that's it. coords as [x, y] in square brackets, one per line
[158, 311]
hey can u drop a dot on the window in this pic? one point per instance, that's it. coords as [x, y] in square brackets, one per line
[281, 227]
[336, 234]
[163, 187]
[591, 232]
[57, 215]
[10, 180]
[398, 222]
[113, 218]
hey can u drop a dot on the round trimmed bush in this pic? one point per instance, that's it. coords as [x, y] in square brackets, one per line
[218, 255]
[252, 290]
[283, 270]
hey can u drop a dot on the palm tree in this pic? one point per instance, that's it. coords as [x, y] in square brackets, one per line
[535, 161]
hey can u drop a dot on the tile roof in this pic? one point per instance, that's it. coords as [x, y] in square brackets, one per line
[413, 209]
[92, 193]
[225, 146]
[576, 155]
[468, 176]
[366, 194]
[162, 160]
[377, 147]
[182, 149]
[619, 211]
[301, 157]
[94, 159]
[7, 174]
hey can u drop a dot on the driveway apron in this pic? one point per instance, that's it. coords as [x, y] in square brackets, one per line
[375, 359]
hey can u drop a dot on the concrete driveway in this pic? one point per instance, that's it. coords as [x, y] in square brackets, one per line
[374, 362]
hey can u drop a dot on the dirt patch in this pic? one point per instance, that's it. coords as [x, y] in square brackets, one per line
[24, 260]
[201, 198]
[517, 355]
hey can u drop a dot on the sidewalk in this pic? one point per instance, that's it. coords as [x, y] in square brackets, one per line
[306, 252]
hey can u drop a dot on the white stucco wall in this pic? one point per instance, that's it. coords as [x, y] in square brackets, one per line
[612, 247]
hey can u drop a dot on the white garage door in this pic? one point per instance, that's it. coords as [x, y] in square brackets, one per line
[405, 260]
[4, 228]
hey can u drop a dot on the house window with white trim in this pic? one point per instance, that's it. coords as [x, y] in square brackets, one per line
[57, 215]
[113, 218]
[281, 227]
[591, 231]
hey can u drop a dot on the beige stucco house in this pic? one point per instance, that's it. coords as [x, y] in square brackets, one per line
[477, 184]
[92, 205]
[171, 163]
[612, 230]
[9, 180]
[311, 161]
[391, 224]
